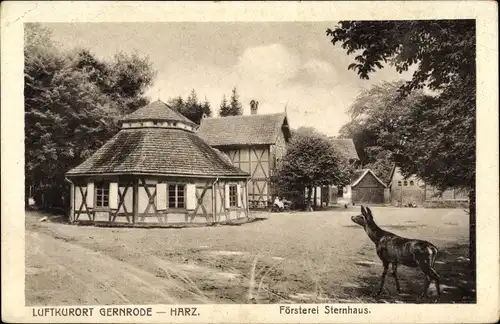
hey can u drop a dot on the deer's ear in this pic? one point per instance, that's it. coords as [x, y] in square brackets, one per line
[369, 213]
[363, 210]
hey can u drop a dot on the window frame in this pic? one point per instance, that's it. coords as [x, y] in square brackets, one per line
[233, 196]
[101, 191]
[176, 195]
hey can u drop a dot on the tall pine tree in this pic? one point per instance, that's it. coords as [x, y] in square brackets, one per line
[235, 105]
[224, 109]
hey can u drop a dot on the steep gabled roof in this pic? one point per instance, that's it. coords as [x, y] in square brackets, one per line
[243, 130]
[346, 147]
[360, 174]
[157, 110]
[157, 151]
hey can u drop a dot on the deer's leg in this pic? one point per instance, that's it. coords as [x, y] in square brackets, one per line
[395, 275]
[382, 279]
[424, 266]
[436, 278]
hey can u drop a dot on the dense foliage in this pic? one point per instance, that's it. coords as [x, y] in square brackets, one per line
[379, 121]
[440, 131]
[311, 161]
[191, 107]
[72, 103]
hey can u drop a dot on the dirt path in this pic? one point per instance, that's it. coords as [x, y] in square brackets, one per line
[299, 257]
[59, 272]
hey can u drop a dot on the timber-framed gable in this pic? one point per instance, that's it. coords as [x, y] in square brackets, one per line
[254, 144]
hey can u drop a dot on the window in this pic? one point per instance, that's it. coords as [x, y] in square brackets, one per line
[340, 191]
[102, 195]
[399, 183]
[233, 195]
[405, 183]
[176, 196]
[412, 183]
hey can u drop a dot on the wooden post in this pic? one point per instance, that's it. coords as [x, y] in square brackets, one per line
[214, 207]
[401, 194]
[268, 175]
[71, 203]
[315, 198]
[246, 195]
[136, 200]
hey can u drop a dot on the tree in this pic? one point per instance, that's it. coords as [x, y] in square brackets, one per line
[191, 108]
[224, 109]
[443, 52]
[206, 108]
[177, 104]
[235, 105]
[68, 114]
[311, 160]
[124, 80]
[377, 117]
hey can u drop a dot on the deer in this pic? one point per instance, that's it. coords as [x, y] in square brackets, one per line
[397, 250]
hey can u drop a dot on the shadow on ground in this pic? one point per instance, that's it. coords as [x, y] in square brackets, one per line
[50, 215]
[457, 282]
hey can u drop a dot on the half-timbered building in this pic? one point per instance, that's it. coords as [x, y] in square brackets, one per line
[254, 143]
[156, 169]
[413, 190]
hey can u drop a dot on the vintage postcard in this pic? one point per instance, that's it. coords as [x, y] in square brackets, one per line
[250, 162]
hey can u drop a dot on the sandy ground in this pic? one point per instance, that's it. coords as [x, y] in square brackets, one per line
[285, 257]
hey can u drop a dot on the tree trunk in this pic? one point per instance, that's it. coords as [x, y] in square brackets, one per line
[26, 198]
[472, 231]
[315, 197]
[308, 202]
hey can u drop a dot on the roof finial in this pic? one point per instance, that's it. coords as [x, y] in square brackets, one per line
[159, 90]
[286, 106]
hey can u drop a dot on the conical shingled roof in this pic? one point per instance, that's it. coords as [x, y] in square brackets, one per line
[165, 151]
[158, 150]
[158, 111]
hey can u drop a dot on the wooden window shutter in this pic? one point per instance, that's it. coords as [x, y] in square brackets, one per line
[113, 195]
[90, 195]
[161, 196]
[238, 195]
[190, 196]
[226, 196]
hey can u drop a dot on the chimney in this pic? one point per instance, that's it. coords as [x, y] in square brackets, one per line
[254, 105]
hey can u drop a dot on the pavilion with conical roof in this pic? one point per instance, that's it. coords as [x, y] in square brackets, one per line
[156, 169]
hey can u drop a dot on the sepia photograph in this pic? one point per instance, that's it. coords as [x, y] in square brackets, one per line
[224, 167]
[321, 166]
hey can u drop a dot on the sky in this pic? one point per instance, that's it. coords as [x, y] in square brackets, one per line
[285, 64]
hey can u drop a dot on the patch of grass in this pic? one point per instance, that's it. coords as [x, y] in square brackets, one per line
[65, 239]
